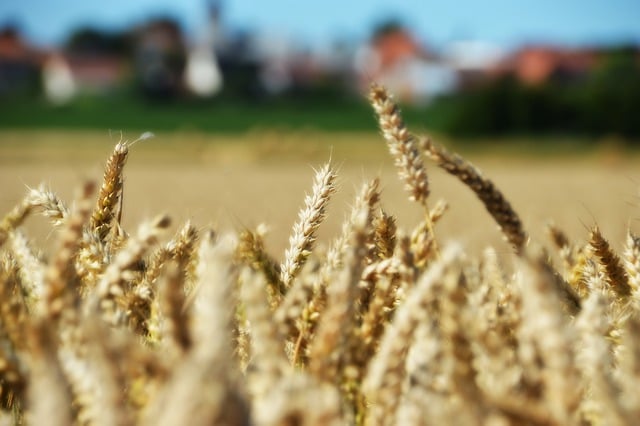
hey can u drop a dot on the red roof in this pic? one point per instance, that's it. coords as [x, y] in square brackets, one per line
[395, 46]
[534, 65]
[98, 71]
[14, 48]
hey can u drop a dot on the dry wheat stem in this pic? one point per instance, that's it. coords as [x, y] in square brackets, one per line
[30, 267]
[330, 351]
[549, 329]
[269, 362]
[632, 267]
[175, 324]
[385, 374]
[596, 361]
[13, 219]
[110, 293]
[49, 397]
[629, 366]
[182, 249]
[61, 291]
[251, 251]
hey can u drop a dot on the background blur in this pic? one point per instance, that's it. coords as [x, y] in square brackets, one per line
[464, 68]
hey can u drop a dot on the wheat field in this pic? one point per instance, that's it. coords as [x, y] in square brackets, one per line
[231, 182]
[360, 280]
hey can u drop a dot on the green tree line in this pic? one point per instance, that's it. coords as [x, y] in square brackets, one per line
[604, 102]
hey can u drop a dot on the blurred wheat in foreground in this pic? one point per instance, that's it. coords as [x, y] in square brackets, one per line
[385, 326]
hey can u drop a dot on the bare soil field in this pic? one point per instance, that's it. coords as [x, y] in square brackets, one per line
[243, 181]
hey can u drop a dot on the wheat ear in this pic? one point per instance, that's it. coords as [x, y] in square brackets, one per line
[615, 274]
[493, 200]
[403, 147]
[330, 352]
[269, 361]
[175, 324]
[13, 322]
[385, 228]
[632, 267]
[422, 240]
[596, 361]
[304, 231]
[13, 219]
[209, 364]
[52, 207]
[49, 395]
[549, 329]
[386, 371]
[251, 251]
[61, 290]
[110, 191]
[401, 143]
[30, 268]
[182, 249]
[629, 365]
[13, 311]
[106, 362]
[14, 382]
[111, 290]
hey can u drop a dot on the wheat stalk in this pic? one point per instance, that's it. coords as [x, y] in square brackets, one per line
[615, 274]
[110, 192]
[401, 143]
[309, 219]
[493, 200]
[376, 329]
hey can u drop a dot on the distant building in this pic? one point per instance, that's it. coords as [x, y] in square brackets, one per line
[396, 60]
[65, 75]
[58, 80]
[98, 74]
[539, 64]
[160, 58]
[202, 74]
[20, 64]
[59, 75]
[472, 60]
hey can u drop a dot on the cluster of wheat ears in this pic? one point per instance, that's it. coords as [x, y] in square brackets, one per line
[385, 326]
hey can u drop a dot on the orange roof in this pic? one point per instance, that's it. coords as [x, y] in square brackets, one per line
[13, 47]
[97, 71]
[395, 46]
[534, 65]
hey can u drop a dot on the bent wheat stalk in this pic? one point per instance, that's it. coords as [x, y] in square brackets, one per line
[493, 200]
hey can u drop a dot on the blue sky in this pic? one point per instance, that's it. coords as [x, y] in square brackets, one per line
[506, 22]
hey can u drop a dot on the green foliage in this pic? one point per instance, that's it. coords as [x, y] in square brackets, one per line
[217, 115]
[601, 103]
[613, 95]
[96, 41]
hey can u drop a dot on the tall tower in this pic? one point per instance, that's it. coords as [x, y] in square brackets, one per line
[202, 74]
[214, 27]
